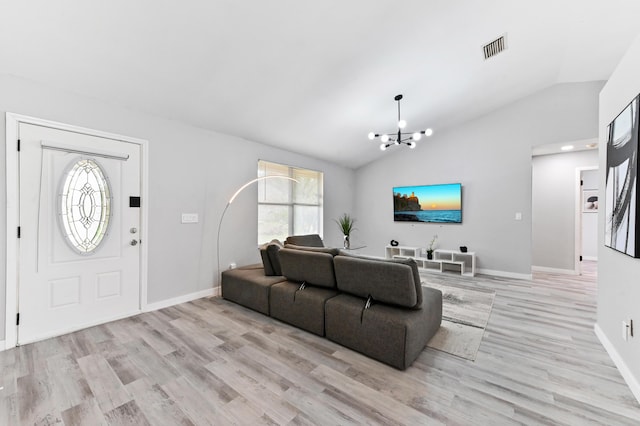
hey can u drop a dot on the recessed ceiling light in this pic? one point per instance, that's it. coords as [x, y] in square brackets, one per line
[567, 148]
[591, 145]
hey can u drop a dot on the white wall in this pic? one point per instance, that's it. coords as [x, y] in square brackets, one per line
[618, 274]
[491, 157]
[590, 181]
[190, 170]
[554, 209]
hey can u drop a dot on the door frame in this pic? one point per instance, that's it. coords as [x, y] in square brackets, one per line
[578, 217]
[13, 122]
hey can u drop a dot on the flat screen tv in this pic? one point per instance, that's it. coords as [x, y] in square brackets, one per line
[428, 203]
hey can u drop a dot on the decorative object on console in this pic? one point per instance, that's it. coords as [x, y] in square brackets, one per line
[622, 230]
[463, 249]
[400, 138]
[394, 243]
[233, 197]
[430, 248]
[345, 223]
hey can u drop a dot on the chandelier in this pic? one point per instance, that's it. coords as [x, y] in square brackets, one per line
[400, 138]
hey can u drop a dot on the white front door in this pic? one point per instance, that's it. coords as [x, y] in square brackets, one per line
[79, 217]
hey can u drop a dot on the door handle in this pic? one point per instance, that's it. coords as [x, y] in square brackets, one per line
[134, 242]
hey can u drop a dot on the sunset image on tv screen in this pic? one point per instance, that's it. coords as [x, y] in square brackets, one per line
[428, 203]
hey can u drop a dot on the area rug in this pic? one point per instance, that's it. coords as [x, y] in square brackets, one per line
[465, 314]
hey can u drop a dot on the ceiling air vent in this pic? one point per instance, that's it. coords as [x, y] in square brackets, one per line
[494, 47]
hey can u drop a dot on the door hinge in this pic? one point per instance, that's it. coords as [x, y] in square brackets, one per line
[18, 145]
[581, 258]
[581, 182]
[18, 318]
[18, 232]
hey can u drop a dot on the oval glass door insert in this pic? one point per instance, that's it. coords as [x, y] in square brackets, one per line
[85, 205]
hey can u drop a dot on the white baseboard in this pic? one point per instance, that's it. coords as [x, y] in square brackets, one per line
[553, 270]
[628, 377]
[76, 327]
[504, 274]
[215, 291]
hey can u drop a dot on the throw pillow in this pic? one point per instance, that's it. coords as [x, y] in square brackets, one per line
[266, 261]
[272, 251]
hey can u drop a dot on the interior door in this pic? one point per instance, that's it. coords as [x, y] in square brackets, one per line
[79, 217]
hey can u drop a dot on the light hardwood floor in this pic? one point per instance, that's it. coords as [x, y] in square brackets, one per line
[213, 362]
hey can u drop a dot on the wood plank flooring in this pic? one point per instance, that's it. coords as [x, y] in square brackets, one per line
[213, 362]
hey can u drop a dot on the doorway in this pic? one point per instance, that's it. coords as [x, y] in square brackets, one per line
[74, 206]
[586, 230]
[557, 205]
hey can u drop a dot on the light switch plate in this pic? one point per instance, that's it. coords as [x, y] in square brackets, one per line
[189, 217]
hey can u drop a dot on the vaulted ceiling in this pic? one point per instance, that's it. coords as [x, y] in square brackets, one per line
[313, 77]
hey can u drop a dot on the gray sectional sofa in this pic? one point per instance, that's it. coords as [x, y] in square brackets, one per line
[375, 306]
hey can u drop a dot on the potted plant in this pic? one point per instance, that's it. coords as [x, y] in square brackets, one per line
[431, 247]
[345, 223]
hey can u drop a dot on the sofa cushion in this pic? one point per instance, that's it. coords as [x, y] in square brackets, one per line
[311, 240]
[272, 251]
[416, 276]
[314, 268]
[302, 308]
[389, 282]
[383, 332]
[248, 286]
[410, 262]
[266, 262]
[331, 251]
[269, 255]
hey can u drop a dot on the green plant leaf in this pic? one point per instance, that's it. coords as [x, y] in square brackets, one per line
[345, 223]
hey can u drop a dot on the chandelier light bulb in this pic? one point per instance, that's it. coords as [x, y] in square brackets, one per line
[402, 124]
[383, 147]
[416, 136]
[384, 138]
[428, 132]
[372, 135]
[412, 144]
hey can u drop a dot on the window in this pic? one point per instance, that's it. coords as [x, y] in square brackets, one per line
[85, 205]
[286, 207]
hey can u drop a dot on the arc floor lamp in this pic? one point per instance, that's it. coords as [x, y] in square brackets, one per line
[233, 197]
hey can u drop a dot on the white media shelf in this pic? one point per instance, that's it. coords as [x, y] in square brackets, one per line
[443, 260]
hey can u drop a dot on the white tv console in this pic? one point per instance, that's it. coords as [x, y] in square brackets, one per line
[443, 260]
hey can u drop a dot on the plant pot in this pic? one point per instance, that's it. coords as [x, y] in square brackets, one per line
[347, 243]
[430, 255]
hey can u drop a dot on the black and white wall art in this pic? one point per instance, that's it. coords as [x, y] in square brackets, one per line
[621, 201]
[590, 201]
